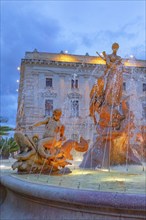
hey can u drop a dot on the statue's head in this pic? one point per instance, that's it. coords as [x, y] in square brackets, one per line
[57, 114]
[35, 138]
[115, 46]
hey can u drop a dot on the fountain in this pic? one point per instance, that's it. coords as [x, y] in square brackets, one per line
[112, 146]
[48, 186]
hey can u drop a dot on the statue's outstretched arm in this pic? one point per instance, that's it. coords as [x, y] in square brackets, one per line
[39, 123]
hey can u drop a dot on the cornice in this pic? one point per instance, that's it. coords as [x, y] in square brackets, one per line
[59, 63]
[82, 66]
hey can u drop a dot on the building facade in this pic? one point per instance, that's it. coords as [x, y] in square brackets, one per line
[49, 81]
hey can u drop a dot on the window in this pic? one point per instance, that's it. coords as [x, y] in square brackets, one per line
[144, 87]
[144, 110]
[74, 108]
[49, 82]
[74, 83]
[48, 107]
[124, 86]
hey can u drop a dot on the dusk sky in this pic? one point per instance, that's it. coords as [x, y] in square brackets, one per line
[75, 26]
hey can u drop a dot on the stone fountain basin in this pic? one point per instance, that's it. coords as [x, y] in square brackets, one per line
[23, 199]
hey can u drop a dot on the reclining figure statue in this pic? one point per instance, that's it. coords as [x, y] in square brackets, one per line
[49, 154]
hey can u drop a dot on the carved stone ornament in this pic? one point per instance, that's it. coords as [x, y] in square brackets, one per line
[74, 95]
[49, 93]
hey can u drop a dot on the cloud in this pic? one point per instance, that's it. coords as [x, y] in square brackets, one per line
[9, 108]
[52, 26]
[131, 37]
[27, 31]
[25, 34]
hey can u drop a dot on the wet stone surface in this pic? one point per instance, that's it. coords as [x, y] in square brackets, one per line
[118, 179]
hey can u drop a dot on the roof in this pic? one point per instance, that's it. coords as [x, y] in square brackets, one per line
[63, 57]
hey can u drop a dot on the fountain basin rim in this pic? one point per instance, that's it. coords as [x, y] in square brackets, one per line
[75, 196]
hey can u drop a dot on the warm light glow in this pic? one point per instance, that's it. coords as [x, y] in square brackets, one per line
[80, 172]
[18, 68]
[128, 63]
[114, 179]
[97, 60]
[79, 158]
[65, 58]
[104, 170]
[3, 167]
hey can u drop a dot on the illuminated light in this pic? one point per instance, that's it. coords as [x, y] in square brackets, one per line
[104, 170]
[18, 68]
[77, 172]
[93, 60]
[97, 60]
[65, 51]
[78, 159]
[16, 90]
[17, 80]
[115, 179]
[131, 64]
[65, 58]
[2, 166]
[131, 56]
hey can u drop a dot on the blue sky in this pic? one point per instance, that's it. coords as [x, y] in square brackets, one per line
[76, 26]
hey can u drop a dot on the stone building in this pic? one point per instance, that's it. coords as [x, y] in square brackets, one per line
[49, 81]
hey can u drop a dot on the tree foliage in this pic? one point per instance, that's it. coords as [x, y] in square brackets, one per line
[8, 146]
[4, 130]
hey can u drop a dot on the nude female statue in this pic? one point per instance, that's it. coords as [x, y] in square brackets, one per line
[114, 73]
